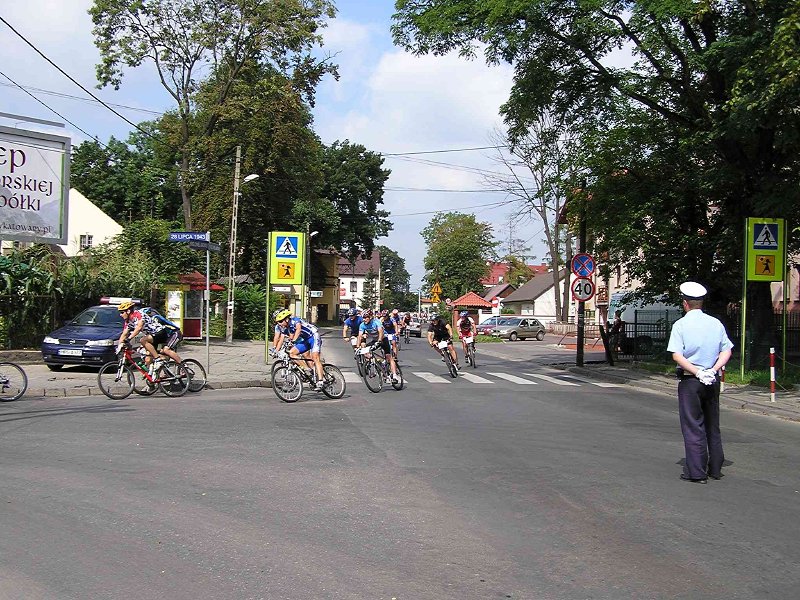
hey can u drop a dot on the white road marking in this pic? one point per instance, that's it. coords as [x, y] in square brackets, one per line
[351, 377]
[430, 377]
[601, 384]
[552, 379]
[513, 378]
[474, 378]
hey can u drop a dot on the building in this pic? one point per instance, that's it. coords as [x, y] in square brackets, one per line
[352, 275]
[87, 226]
[536, 298]
[498, 272]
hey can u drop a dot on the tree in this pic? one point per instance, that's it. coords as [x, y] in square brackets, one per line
[370, 295]
[679, 147]
[354, 180]
[458, 250]
[185, 39]
[394, 279]
[518, 271]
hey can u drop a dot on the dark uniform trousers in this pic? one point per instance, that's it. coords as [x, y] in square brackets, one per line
[699, 413]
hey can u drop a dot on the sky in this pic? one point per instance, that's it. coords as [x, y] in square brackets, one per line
[386, 99]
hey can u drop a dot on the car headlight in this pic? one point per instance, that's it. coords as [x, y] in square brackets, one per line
[49, 340]
[100, 343]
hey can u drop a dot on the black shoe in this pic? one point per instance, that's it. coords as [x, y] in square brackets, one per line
[716, 476]
[690, 480]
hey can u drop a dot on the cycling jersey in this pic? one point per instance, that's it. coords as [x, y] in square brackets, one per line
[390, 326]
[149, 327]
[309, 338]
[466, 324]
[146, 310]
[440, 333]
[353, 323]
[370, 329]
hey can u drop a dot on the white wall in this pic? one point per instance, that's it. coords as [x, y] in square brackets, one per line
[85, 218]
[344, 289]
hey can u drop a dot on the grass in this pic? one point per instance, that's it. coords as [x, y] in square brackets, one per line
[757, 377]
[483, 339]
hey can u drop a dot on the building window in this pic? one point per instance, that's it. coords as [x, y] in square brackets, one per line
[85, 242]
[353, 286]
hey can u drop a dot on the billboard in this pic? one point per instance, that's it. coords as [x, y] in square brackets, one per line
[34, 186]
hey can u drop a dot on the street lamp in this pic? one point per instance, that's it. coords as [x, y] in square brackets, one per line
[232, 245]
[306, 278]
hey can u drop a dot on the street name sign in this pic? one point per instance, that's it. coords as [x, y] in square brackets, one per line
[189, 236]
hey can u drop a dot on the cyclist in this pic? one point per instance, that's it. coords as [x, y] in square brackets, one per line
[466, 328]
[391, 328]
[371, 331]
[351, 324]
[170, 336]
[303, 337]
[439, 331]
[135, 322]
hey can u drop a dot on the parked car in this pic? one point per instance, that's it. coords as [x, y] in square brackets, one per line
[485, 327]
[88, 339]
[514, 328]
[415, 327]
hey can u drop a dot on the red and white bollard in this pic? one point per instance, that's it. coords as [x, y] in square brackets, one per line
[722, 379]
[772, 374]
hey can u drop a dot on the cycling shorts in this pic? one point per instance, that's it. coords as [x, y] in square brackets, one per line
[174, 339]
[386, 346]
[392, 337]
[160, 337]
[313, 343]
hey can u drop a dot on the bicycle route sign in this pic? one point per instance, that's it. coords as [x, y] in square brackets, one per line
[583, 289]
[583, 264]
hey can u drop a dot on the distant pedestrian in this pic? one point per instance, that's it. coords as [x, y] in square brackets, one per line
[700, 346]
[616, 330]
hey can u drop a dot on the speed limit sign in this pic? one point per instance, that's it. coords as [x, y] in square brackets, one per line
[582, 289]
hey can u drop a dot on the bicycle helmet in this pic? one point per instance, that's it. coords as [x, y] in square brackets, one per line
[280, 315]
[352, 312]
[367, 314]
[433, 317]
[463, 313]
[125, 306]
[384, 313]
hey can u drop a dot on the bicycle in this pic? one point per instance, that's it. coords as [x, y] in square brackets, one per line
[358, 357]
[441, 348]
[288, 377]
[117, 379]
[13, 382]
[406, 335]
[377, 369]
[469, 353]
[197, 374]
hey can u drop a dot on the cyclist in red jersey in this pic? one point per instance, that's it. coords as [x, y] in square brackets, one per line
[466, 329]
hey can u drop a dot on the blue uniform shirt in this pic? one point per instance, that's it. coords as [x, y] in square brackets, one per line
[353, 323]
[370, 327]
[699, 338]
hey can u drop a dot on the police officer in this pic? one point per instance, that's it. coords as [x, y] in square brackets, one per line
[701, 347]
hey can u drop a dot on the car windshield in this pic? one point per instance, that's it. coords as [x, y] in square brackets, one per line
[101, 316]
[513, 322]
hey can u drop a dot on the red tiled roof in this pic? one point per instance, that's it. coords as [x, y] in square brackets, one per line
[471, 300]
[197, 281]
[361, 266]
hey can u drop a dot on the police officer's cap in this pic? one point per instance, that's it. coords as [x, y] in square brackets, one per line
[692, 290]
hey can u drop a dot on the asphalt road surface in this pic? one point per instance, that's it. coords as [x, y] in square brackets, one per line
[519, 482]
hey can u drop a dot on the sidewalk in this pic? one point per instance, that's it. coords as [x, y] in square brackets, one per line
[743, 397]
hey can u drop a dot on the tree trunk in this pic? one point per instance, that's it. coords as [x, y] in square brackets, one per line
[566, 290]
[187, 202]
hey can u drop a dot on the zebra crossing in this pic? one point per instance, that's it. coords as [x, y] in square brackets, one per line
[491, 378]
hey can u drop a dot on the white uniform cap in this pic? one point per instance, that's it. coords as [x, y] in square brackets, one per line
[691, 289]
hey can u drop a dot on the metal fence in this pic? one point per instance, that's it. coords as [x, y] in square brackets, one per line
[647, 336]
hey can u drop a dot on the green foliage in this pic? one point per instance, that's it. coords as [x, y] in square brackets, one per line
[248, 322]
[518, 271]
[458, 249]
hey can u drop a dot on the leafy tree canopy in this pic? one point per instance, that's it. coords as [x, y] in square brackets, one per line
[459, 248]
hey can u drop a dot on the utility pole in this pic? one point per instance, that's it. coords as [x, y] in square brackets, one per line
[232, 247]
[581, 303]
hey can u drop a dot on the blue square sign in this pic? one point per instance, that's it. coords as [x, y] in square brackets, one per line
[765, 236]
[286, 246]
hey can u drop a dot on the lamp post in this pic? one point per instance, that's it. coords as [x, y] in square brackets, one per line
[232, 244]
[306, 267]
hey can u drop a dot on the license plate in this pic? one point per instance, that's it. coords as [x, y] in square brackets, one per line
[70, 352]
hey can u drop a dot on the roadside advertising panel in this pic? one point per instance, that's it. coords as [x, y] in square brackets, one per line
[34, 186]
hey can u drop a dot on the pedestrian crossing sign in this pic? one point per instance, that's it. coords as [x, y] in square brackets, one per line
[286, 257]
[766, 249]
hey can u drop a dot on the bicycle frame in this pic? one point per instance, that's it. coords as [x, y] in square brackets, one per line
[126, 357]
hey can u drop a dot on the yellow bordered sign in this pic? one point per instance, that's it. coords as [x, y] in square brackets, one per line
[286, 257]
[766, 249]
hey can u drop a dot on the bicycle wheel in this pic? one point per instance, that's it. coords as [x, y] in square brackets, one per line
[472, 355]
[173, 379]
[198, 374]
[13, 382]
[141, 385]
[335, 384]
[373, 376]
[398, 384]
[286, 384]
[451, 366]
[360, 364]
[116, 381]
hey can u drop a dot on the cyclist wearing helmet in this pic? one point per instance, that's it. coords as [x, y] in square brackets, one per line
[466, 328]
[439, 331]
[371, 331]
[304, 338]
[135, 323]
[391, 329]
[351, 324]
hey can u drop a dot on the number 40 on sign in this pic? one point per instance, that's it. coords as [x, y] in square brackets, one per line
[582, 289]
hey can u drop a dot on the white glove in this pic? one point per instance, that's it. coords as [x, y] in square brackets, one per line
[707, 376]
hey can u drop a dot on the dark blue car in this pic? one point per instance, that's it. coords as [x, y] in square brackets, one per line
[89, 339]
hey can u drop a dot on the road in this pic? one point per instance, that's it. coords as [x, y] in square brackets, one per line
[531, 485]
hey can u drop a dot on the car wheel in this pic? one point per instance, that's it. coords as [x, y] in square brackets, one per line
[540, 336]
[55, 367]
[513, 336]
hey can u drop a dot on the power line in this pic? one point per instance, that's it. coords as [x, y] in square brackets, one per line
[431, 212]
[73, 80]
[443, 151]
[79, 99]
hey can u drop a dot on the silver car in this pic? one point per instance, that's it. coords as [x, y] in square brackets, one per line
[519, 328]
[415, 327]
